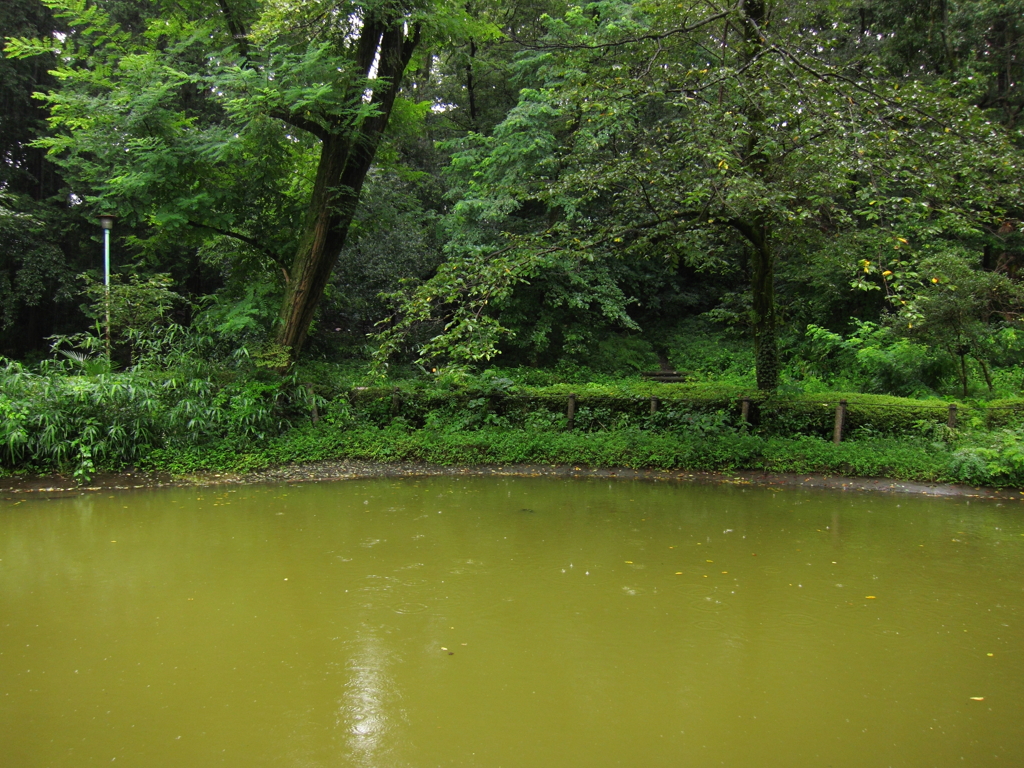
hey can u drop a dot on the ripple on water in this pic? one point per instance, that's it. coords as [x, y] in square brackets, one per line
[709, 624]
[472, 566]
[411, 608]
[798, 619]
[815, 600]
[697, 590]
[414, 582]
[376, 584]
[889, 631]
[634, 591]
[708, 605]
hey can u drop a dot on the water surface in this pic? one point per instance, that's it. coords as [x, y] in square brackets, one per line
[529, 622]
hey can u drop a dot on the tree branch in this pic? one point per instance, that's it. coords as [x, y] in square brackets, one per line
[824, 76]
[300, 122]
[626, 40]
[753, 235]
[250, 241]
[236, 28]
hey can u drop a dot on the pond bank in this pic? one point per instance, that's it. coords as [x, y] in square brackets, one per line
[346, 470]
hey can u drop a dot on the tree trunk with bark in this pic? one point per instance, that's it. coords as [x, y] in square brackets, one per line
[387, 40]
[345, 159]
[762, 286]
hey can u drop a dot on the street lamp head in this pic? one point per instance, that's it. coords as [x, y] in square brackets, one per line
[107, 220]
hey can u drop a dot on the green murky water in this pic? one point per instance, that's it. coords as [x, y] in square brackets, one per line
[530, 623]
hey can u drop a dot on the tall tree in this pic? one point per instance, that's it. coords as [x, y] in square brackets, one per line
[373, 60]
[23, 169]
[668, 132]
[257, 121]
[39, 244]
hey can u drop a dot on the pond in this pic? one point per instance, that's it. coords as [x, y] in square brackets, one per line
[534, 622]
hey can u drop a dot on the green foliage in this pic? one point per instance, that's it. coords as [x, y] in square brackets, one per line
[190, 415]
[137, 308]
[621, 353]
[791, 144]
[32, 265]
[710, 354]
[614, 195]
[999, 460]
[903, 459]
[251, 123]
[814, 414]
[239, 316]
[64, 421]
[966, 311]
[898, 459]
[172, 161]
[72, 416]
[951, 320]
[698, 408]
[394, 236]
[875, 359]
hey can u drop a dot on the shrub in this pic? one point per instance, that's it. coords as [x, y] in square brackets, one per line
[998, 461]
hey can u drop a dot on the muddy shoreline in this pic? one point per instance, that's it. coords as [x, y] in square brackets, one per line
[18, 487]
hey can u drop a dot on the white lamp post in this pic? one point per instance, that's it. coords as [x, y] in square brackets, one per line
[107, 222]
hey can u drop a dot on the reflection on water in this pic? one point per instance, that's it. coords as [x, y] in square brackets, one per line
[510, 622]
[371, 707]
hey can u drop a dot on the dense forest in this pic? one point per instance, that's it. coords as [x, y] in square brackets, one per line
[784, 198]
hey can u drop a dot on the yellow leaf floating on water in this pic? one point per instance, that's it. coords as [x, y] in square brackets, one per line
[977, 698]
[869, 597]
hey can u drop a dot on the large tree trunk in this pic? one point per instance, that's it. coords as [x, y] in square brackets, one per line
[762, 286]
[346, 155]
[327, 223]
[766, 347]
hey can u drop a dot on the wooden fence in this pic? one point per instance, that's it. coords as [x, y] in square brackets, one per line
[751, 411]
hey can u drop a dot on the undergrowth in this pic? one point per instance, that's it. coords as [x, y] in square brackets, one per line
[190, 415]
[918, 458]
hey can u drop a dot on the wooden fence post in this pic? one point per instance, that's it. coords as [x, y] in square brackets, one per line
[951, 421]
[654, 405]
[745, 411]
[837, 432]
[570, 411]
[396, 402]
